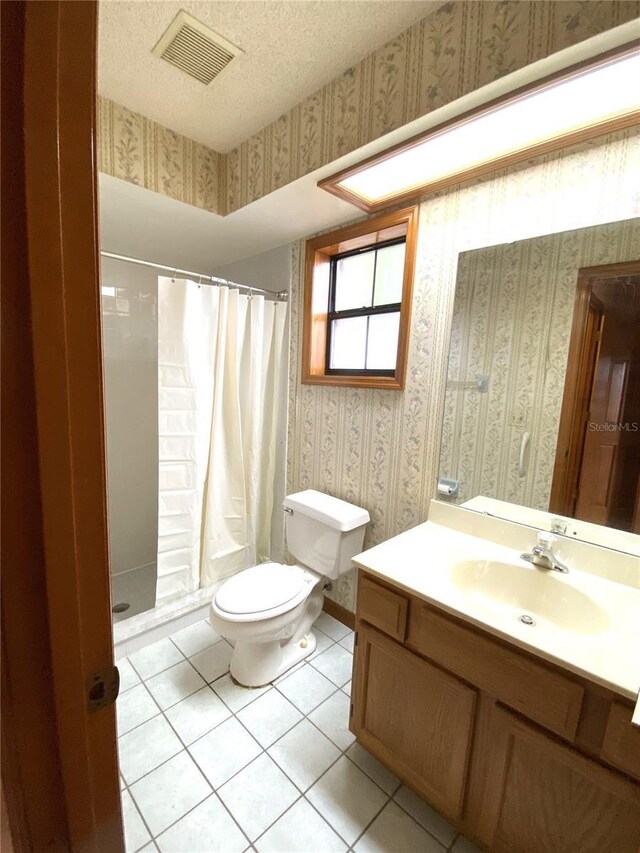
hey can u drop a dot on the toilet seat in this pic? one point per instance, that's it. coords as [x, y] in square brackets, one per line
[263, 591]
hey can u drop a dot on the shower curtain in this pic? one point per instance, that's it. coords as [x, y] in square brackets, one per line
[220, 361]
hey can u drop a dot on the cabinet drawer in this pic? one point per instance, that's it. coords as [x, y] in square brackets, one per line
[382, 608]
[537, 692]
[621, 746]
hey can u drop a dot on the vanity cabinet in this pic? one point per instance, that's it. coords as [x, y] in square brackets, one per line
[518, 754]
[416, 717]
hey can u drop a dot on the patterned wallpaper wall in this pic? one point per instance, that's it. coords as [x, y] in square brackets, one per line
[381, 449]
[451, 52]
[512, 320]
[143, 152]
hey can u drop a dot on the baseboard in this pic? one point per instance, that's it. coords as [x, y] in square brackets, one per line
[340, 613]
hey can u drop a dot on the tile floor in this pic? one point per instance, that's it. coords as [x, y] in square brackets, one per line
[211, 767]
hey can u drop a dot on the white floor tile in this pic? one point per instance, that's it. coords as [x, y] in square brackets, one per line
[323, 642]
[336, 664]
[347, 688]
[197, 714]
[136, 834]
[394, 830]
[134, 707]
[290, 671]
[331, 627]
[258, 795]
[235, 696]
[128, 676]
[195, 638]
[463, 845]
[208, 828]
[269, 717]
[146, 747]
[214, 661]
[149, 848]
[300, 829]
[304, 754]
[332, 718]
[347, 799]
[306, 688]
[224, 751]
[347, 642]
[154, 658]
[169, 792]
[428, 817]
[387, 780]
[174, 684]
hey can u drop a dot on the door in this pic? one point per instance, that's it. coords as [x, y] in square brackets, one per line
[601, 486]
[59, 768]
[416, 718]
[597, 466]
[540, 796]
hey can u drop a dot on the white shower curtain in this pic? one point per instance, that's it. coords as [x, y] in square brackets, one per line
[220, 359]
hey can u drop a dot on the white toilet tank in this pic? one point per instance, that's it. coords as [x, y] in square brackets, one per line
[324, 533]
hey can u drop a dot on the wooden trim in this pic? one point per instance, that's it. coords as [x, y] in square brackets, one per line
[60, 125]
[568, 447]
[319, 250]
[575, 137]
[340, 613]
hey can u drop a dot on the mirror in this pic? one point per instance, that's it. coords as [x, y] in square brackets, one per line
[542, 407]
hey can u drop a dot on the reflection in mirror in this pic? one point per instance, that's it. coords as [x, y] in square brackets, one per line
[542, 408]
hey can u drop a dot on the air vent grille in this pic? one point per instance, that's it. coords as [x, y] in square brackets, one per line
[195, 49]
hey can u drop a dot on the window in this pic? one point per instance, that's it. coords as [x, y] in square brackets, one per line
[358, 288]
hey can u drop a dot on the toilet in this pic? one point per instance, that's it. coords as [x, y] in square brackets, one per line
[269, 609]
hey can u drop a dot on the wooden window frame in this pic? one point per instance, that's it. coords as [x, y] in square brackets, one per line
[319, 253]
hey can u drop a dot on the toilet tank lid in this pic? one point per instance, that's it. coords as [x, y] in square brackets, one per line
[340, 515]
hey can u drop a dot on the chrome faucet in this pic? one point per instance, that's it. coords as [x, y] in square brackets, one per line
[542, 555]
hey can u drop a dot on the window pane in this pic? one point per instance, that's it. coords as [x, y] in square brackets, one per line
[389, 273]
[382, 352]
[348, 343]
[354, 281]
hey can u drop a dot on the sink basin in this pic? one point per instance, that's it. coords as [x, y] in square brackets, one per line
[536, 593]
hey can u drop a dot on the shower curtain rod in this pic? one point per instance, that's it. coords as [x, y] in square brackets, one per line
[281, 295]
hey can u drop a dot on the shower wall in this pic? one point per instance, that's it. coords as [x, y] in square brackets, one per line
[130, 344]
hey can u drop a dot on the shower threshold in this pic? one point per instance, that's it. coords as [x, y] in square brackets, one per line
[164, 619]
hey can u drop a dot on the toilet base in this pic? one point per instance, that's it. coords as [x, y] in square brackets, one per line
[258, 664]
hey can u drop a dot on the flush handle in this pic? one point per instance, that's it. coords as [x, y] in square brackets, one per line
[288, 510]
[103, 688]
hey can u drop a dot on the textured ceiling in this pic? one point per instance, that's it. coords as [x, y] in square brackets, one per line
[290, 50]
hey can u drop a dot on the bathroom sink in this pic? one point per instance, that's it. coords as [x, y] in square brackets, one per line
[540, 596]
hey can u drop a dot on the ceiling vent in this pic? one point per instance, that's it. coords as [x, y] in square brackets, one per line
[195, 49]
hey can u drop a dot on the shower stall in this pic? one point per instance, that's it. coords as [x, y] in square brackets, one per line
[195, 379]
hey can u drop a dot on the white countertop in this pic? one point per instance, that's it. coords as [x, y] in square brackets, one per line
[423, 562]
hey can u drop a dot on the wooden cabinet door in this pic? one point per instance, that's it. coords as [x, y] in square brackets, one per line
[540, 796]
[416, 718]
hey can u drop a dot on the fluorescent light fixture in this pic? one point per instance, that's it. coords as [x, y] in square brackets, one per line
[582, 104]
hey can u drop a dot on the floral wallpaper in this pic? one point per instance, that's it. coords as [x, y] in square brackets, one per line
[138, 150]
[512, 321]
[453, 51]
[381, 449]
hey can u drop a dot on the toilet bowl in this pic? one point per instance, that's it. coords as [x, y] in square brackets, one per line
[268, 610]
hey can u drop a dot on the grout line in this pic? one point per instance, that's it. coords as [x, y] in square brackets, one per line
[263, 750]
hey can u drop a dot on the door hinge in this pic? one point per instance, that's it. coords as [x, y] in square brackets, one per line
[351, 710]
[103, 688]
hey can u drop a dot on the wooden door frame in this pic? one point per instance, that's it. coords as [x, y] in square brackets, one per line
[67, 452]
[564, 467]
